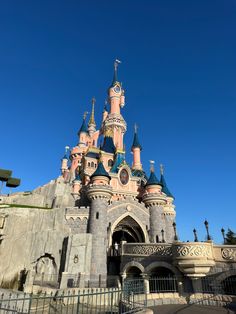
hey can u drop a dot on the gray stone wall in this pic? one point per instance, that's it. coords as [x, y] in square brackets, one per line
[27, 235]
[169, 230]
[98, 228]
[157, 223]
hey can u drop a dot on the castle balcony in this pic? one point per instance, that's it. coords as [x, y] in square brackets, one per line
[194, 259]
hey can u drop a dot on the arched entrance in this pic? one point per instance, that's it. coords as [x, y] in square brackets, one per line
[162, 279]
[133, 273]
[128, 230]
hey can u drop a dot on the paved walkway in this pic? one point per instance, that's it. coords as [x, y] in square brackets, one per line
[190, 309]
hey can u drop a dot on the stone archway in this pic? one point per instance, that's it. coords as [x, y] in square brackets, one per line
[127, 228]
[162, 277]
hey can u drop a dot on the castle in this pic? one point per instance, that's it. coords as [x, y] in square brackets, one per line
[102, 220]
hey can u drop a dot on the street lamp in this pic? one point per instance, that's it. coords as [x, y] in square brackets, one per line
[223, 234]
[195, 235]
[175, 236]
[207, 229]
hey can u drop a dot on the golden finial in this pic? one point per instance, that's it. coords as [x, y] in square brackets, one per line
[162, 169]
[100, 156]
[92, 120]
[152, 162]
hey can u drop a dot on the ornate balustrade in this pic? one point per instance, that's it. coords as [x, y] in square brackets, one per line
[143, 249]
[224, 253]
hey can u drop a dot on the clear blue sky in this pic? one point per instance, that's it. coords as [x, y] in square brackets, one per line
[178, 70]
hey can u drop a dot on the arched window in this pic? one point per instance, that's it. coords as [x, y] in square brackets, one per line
[89, 164]
[110, 163]
[92, 164]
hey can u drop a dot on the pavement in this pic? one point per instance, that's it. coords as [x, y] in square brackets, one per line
[190, 309]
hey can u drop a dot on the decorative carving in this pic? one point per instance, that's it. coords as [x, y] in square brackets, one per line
[228, 254]
[156, 249]
[193, 250]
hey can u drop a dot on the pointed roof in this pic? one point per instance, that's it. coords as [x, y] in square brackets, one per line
[115, 77]
[65, 157]
[83, 128]
[100, 171]
[152, 180]
[77, 178]
[164, 186]
[92, 119]
[136, 140]
[108, 145]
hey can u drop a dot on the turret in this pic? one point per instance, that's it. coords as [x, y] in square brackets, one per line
[114, 121]
[83, 132]
[169, 208]
[115, 92]
[64, 164]
[155, 202]
[92, 124]
[105, 113]
[76, 186]
[136, 149]
[99, 192]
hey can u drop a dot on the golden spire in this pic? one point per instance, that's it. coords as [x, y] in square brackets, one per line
[92, 120]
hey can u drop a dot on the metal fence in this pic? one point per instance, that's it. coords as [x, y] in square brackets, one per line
[99, 301]
[211, 285]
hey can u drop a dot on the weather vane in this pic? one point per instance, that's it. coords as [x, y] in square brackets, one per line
[152, 162]
[85, 114]
[116, 63]
[162, 169]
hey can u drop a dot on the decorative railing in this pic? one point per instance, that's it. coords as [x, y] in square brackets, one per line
[140, 249]
[225, 253]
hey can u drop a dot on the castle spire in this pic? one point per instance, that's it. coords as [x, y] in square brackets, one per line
[136, 149]
[163, 183]
[83, 128]
[92, 119]
[115, 77]
[152, 179]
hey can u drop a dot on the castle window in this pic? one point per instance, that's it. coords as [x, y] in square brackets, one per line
[97, 215]
[110, 163]
[92, 164]
[88, 164]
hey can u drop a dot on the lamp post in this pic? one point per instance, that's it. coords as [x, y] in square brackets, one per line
[175, 236]
[223, 234]
[207, 229]
[162, 236]
[195, 235]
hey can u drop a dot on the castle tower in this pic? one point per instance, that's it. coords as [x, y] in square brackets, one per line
[92, 124]
[153, 199]
[169, 209]
[115, 125]
[136, 150]
[83, 132]
[99, 192]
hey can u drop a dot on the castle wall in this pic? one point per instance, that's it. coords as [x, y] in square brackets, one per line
[28, 234]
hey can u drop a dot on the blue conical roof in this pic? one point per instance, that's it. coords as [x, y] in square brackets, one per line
[77, 178]
[153, 179]
[65, 157]
[164, 187]
[100, 171]
[136, 141]
[83, 127]
[108, 145]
